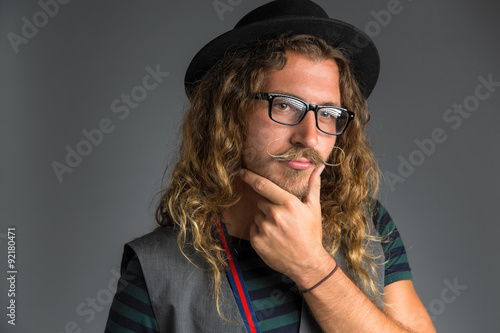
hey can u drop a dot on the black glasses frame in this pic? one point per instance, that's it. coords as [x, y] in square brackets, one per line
[309, 107]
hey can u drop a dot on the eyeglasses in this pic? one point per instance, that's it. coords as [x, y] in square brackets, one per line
[289, 110]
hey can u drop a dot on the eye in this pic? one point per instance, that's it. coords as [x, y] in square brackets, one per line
[325, 114]
[329, 113]
[285, 104]
[282, 106]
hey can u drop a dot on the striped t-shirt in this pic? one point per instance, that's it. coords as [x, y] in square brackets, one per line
[276, 306]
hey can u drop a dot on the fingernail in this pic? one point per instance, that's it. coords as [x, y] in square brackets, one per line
[242, 172]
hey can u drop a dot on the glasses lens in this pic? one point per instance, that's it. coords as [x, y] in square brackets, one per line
[332, 120]
[287, 110]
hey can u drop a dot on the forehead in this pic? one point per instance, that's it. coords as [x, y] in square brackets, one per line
[313, 80]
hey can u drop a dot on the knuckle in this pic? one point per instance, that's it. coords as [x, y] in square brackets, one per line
[268, 230]
[289, 203]
[275, 215]
[259, 218]
[260, 184]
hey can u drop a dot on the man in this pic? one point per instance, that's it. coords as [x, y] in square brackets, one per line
[269, 223]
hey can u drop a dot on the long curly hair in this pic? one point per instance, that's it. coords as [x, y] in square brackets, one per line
[210, 156]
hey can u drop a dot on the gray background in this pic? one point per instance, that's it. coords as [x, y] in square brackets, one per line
[70, 234]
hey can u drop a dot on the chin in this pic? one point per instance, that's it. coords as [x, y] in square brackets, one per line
[293, 181]
[296, 185]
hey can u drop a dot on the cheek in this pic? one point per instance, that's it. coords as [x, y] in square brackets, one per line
[327, 146]
[261, 130]
[258, 141]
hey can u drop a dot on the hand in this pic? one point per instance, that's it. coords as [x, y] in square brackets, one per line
[287, 233]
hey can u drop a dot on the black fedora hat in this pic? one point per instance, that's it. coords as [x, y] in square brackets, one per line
[292, 17]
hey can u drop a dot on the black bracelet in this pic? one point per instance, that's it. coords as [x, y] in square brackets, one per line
[320, 282]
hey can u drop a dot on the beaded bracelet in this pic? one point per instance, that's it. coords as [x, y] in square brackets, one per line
[320, 282]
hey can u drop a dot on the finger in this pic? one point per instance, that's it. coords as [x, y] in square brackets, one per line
[265, 187]
[259, 218]
[253, 232]
[265, 206]
[313, 195]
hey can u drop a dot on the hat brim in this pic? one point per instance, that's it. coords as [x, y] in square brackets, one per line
[356, 45]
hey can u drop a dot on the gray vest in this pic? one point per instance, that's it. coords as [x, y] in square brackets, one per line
[181, 293]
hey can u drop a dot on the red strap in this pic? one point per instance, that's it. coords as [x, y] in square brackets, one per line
[236, 279]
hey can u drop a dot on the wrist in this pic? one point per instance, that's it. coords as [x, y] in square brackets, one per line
[303, 291]
[315, 272]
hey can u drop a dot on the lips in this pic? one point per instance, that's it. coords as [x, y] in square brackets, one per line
[301, 163]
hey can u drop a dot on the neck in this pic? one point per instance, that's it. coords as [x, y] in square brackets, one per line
[240, 217]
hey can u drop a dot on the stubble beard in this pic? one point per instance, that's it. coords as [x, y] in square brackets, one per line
[291, 180]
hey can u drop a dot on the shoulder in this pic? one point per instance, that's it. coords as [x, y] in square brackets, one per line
[382, 220]
[146, 244]
[155, 247]
[154, 237]
[160, 248]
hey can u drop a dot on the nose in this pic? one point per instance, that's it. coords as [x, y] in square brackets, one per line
[305, 133]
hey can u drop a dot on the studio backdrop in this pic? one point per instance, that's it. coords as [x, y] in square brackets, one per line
[92, 98]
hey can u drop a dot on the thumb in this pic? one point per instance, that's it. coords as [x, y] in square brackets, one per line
[313, 194]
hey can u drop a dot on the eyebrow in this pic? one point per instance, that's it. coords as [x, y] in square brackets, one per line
[293, 95]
